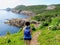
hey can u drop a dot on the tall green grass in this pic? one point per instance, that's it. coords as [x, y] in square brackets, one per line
[49, 37]
[13, 39]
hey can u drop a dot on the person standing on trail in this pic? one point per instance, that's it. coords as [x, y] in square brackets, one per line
[27, 33]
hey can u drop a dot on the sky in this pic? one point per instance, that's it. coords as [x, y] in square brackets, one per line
[13, 3]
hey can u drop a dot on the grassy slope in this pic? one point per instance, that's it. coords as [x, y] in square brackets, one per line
[49, 37]
[14, 39]
[34, 8]
[38, 9]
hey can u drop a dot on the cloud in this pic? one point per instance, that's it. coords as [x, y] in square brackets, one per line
[9, 3]
[13, 3]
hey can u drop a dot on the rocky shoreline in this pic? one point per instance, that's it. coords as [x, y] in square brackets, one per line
[19, 22]
[25, 12]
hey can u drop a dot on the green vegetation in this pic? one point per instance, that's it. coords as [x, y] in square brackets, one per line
[13, 39]
[34, 8]
[49, 37]
[39, 9]
[55, 24]
[49, 25]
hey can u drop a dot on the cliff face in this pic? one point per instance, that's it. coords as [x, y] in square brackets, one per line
[16, 22]
[29, 13]
[25, 12]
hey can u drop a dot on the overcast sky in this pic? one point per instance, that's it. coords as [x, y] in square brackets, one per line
[13, 3]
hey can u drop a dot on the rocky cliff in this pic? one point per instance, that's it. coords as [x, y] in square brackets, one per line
[25, 12]
[19, 22]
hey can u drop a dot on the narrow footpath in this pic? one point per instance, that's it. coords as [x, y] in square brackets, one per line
[34, 38]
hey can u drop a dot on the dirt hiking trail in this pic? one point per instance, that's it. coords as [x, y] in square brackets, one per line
[34, 38]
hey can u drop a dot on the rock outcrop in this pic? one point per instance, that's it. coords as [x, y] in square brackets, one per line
[29, 13]
[50, 7]
[25, 12]
[19, 22]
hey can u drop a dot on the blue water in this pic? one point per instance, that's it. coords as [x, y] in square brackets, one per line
[4, 28]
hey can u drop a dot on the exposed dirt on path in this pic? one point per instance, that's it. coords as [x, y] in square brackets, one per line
[34, 38]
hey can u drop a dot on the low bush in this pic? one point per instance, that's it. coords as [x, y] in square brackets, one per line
[33, 27]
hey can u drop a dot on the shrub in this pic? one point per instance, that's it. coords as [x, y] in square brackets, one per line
[45, 24]
[41, 26]
[56, 23]
[54, 28]
[9, 40]
[33, 27]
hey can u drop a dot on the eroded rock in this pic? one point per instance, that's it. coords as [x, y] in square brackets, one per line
[19, 22]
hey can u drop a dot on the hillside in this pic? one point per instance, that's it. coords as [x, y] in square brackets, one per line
[38, 8]
[49, 25]
[33, 8]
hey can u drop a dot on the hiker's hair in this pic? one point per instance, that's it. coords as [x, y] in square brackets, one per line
[27, 23]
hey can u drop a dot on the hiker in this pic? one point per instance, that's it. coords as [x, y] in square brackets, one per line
[27, 33]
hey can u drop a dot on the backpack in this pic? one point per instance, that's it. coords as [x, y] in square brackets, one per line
[27, 31]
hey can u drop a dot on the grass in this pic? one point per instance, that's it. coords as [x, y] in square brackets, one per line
[49, 37]
[13, 39]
